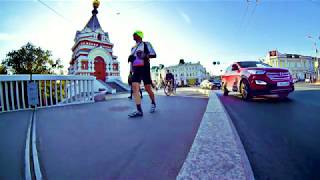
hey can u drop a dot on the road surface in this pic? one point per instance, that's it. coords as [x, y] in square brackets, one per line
[99, 141]
[281, 138]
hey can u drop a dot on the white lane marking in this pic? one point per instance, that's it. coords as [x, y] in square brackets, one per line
[31, 136]
[35, 156]
[27, 169]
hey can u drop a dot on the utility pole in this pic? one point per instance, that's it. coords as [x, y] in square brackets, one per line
[317, 58]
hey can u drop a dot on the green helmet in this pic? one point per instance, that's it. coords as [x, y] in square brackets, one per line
[139, 33]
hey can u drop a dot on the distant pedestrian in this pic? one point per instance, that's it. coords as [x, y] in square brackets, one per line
[140, 57]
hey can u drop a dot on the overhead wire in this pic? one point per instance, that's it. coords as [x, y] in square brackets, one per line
[317, 39]
[53, 10]
[117, 12]
[133, 9]
[251, 15]
[243, 17]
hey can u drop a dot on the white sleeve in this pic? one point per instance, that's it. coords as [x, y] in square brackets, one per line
[150, 48]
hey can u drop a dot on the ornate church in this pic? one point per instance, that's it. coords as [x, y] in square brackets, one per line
[93, 54]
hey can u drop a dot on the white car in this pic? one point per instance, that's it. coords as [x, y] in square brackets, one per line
[307, 80]
[206, 84]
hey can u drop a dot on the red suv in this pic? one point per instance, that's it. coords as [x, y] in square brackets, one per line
[254, 78]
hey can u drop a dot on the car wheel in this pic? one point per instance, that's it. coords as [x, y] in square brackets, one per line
[225, 91]
[245, 90]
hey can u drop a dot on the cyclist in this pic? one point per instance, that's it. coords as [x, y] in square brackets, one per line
[169, 79]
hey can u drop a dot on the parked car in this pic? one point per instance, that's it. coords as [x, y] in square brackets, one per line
[295, 80]
[210, 84]
[205, 84]
[254, 78]
[216, 84]
[307, 80]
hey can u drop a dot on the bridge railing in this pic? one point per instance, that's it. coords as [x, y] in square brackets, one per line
[52, 90]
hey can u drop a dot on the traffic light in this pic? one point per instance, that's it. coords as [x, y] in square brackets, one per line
[216, 62]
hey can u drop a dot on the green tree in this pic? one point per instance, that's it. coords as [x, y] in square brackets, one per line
[3, 69]
[30, 59]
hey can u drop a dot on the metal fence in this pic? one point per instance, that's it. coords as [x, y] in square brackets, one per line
[52, 90]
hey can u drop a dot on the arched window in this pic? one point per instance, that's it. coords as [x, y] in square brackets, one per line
[99, 37]
[84, 65]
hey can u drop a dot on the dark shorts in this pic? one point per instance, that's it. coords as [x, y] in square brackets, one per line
[142, 74]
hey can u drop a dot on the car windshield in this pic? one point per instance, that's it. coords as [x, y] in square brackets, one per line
[214, 80]
[248, 64]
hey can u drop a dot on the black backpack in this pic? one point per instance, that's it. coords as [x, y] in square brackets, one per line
[147, 52]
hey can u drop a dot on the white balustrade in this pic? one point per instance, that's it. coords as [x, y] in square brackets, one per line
[62, 90]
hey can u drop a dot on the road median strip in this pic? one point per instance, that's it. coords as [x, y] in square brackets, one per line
[217, 152]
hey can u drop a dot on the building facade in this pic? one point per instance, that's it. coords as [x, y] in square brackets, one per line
[184, 73]
[157, 73]
[92, 52]
[301, 67]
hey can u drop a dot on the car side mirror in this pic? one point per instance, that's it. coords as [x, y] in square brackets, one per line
[235, 68]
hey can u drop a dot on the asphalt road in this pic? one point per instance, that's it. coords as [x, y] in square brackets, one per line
[99, 141]
[281, 138]
[13, 131]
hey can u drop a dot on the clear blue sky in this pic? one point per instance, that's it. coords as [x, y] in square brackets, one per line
[196, 31]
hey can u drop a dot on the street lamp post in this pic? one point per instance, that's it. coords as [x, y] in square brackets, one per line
[317, 62]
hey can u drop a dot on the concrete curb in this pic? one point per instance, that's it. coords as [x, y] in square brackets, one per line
[217, 152]
[32, 166]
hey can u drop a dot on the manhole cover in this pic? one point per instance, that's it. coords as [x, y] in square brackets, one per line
[119, 108]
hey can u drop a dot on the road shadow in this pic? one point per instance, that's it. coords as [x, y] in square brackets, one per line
[297, 95]
[260, 99]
